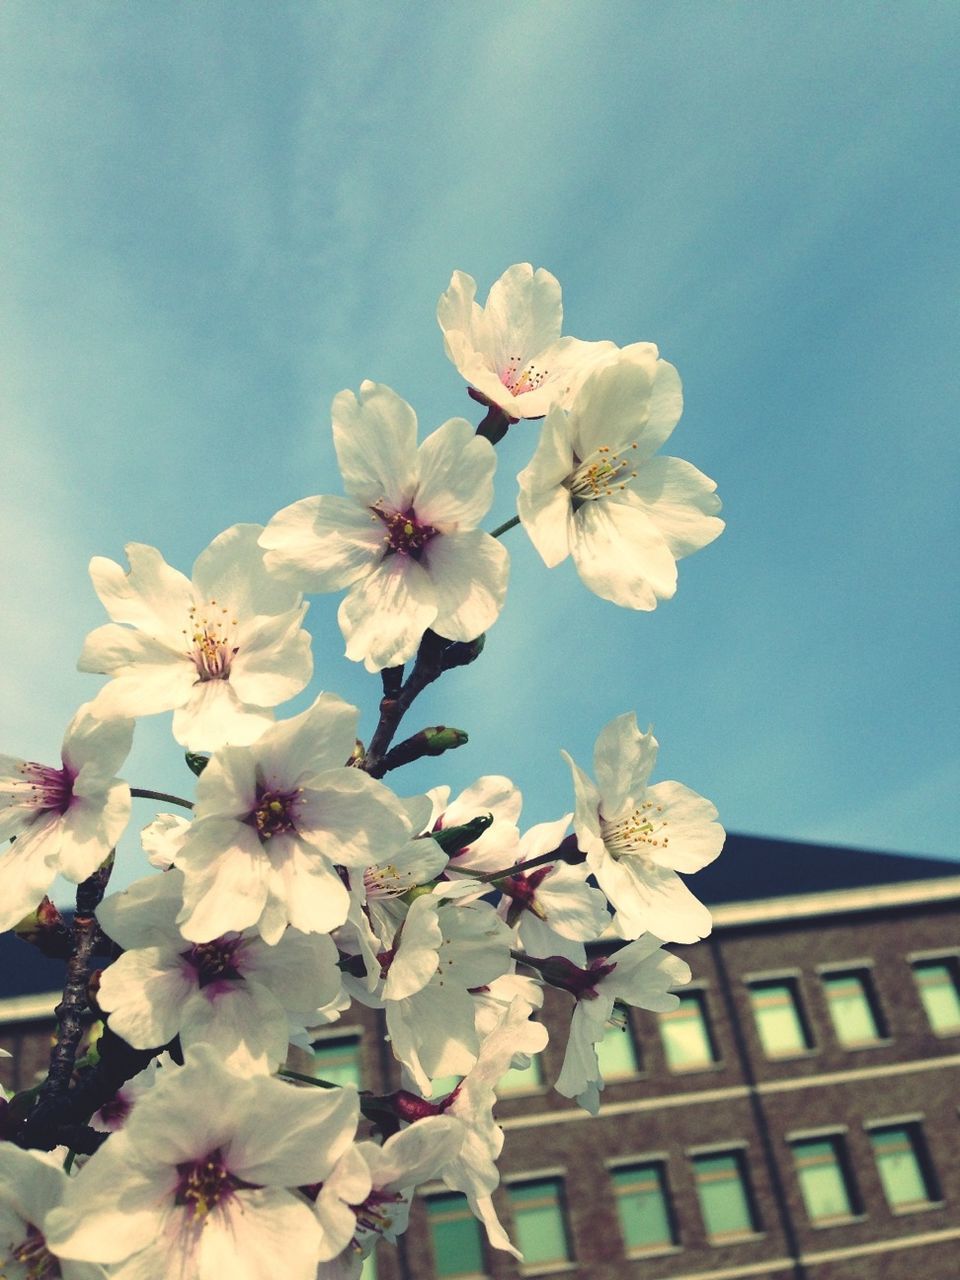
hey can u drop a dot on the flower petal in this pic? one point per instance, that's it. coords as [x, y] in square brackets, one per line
[230, 573]
[681, 502]
[323, 543]
[152, 595]
[375, 437]
[383, 618]
[456, 477]
[469, 572]
[621, 555]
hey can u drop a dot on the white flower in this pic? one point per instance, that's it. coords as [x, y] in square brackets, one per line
[405, 542]
[594, 490]
[65, 820]
[637, 838]
[640, 974]
[217, 650]
[195, 1186]
[495, 848]
[552, 908]
[31, 1187]
[233, 992]
[511, 350]
[273, 820]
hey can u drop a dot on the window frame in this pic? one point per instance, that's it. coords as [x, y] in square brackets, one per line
[335, 1032]
[862, 971]
[912, 1126]
[836, 1135]
[790, 979]
[698, 995]
[438, 1191]
[633, 1041]
[739, 1153]
[950, 959]
[658, 1160]
[530, 1177]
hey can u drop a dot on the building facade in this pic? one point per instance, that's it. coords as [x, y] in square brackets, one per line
[797, 1116]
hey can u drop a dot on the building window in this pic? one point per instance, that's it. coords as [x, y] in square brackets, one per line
[617, 1052]
[940, 992]
[539, 1220]
[521, 1079]
[337, 1059]
[369, 1269]
[853, 1008]
[824, 1177]
[687, 1042]
[781, 1025]
[725, 1200]
[455, 1236]
[904, 1166]
[643, 1207]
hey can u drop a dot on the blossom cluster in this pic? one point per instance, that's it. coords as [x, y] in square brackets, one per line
[297, 881]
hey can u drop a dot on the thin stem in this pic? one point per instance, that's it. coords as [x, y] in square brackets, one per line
[427, 668]
[502, 528]
[143, 793]
[298, 1075]
[555, 855]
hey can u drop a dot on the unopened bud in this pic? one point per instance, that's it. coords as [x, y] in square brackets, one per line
[452, 839]
[47, 930]
[462, 652]
[196, 763]
[432, 741]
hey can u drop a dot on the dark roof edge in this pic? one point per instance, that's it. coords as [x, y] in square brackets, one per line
[836, 901]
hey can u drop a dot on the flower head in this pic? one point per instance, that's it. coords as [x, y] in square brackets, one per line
[217, 650]
[405, 541]
[511, 351]
[638, 837]
[65, 818]
[594, 490]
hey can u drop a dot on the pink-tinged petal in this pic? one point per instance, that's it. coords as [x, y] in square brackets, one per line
[689, 823]
[256, 1231]
[115, 1210]
[294, 1136]
[243, 1022]
[147, 690]
[27, 870]
[469, 572]
[681, 502]
[215, 716]
[94, 748]
[456, 477]
[623, 759]
[309, 744]
[547, 516]
[323, 543]
[523, 314]
[622, 556]
[152, 595]
[620, 405]
[226, 872]
[586, 819]
[274, 661]
[383, 618]
[375, 437]
[652, 899]
[144, 992]
[231, 574]
[91, 828]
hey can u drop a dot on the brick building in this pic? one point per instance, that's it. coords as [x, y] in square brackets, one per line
[797, 1116]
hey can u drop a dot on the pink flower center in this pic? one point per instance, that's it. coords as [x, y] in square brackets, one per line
[44, 788]
[216, 961]
[404, 535]
[33, 1255]
[204, 1184]
[213, 637]
[519, 378]
[276, 812]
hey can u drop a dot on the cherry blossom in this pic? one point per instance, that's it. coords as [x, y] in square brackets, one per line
[640, 974]
[594, 489]
[405, 541]
[31, 1187]
[637, 838]
[510, 350]
[65, 818]
[274, 819]
[196, 1183]
[233, 992]
[218, 650]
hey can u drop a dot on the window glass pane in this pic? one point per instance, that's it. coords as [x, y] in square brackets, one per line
[455, 1233]
[642, 1206]
[898, 1162]
[822, 1179]
[337, 1059]
[538, 1220]
[851, 1008]
[617, 1053]
[369, 1269]
[516, 1080]
[724, 1201]
[442, 1085]
[685, 1035]
[937, 980]
[777, 1015]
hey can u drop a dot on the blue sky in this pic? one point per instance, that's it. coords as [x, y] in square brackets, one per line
[215, 217]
